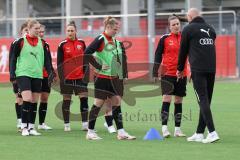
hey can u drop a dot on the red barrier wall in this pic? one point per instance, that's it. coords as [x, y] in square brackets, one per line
[138, 53]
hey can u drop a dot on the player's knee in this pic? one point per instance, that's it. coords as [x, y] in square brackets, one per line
[44, 98]
[178, 100]
[167, 98]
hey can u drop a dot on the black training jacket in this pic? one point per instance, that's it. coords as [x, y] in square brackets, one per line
[198, 43]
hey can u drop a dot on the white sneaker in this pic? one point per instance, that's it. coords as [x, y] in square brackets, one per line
[33, 132]
[92, 135]
[44, 127]
[67, 127]
[178, 133]
[165, 132]
[84, 126]
[25, 132]
[211, 137]
[123, 135]
[196, 137]
[111, 129]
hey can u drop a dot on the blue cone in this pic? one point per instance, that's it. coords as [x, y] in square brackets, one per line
[153, 134]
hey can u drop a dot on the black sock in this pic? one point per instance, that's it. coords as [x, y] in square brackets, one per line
[84, 108]
[25, 111]
[109, 120]
[66, 110]
[117, 116]
[18, 110]
[178, 114]
[42, 111]
[165, 112]
[32, 113]
[93, 116]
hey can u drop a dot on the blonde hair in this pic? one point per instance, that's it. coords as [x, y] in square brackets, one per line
[32, 22]
[42, 26]
[24, 25]
[110, 21]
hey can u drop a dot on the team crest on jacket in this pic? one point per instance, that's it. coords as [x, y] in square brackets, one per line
[79, 47]
[171, 42]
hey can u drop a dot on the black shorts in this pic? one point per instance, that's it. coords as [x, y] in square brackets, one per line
[16, 90]
[73, 86]
[178, 87]
[45, 85]
[106, 88]
[28, 83]
[119, 86]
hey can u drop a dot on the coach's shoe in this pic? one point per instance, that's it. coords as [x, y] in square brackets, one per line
[211, 137]
[165, 132]
[92, 135]
[123, 135]
[25, 132]
[178, 132]
[67, 127]
[43, 126]
[84, 126]
[196, 137]
[111, 129]
[33, 132]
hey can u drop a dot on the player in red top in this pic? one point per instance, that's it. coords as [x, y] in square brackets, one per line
[46, 89]
[73, 74]
[167, 56]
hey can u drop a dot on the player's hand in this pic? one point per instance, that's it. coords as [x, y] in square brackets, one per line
[14, 81]
[105, 67]
[156, 79]
[180, 74]
[125, 80]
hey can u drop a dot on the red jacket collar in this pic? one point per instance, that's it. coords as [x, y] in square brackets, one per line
[33, 41]
[70, 40]
[109, 38]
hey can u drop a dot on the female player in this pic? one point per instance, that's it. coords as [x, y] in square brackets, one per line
[46, 88]
[73, 75]
[167, 55]
[27, 62]
[107, 51]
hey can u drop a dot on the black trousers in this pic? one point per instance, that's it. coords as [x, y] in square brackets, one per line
[203, 84]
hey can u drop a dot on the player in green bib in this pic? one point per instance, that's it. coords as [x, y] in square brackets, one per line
[107, 59]
[27, 62]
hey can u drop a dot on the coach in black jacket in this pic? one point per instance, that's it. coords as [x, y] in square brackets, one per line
[198, 42]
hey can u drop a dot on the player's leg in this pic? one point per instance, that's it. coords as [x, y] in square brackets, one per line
[109, 117]
[36, 90]
[167, 93]
[66, 90]
[82, 91]
[18, 104]
[42, 111]
[101, 93]
[24, 84]
[179, 92]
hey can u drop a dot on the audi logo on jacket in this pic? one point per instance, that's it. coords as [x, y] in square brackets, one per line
[198, 42]
[70, 61]
[166, 55]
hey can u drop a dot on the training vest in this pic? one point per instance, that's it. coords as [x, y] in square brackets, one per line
[30, 62]
[111, 55]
